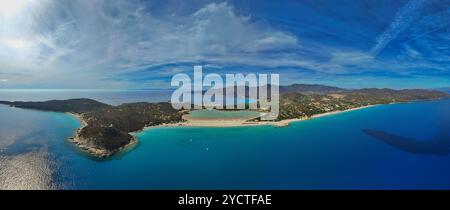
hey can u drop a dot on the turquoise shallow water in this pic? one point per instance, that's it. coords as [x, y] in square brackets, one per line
[330, 152]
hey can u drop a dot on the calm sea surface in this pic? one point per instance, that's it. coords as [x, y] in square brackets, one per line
[331, 152]
[113, 97]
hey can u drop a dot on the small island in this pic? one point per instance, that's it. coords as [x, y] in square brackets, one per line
[107, 129]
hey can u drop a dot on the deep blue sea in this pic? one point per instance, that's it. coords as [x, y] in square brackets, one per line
[330, 152]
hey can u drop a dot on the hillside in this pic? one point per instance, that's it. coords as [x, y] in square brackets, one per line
[108, 127]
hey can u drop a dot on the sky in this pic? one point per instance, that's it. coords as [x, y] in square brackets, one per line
[137, 44]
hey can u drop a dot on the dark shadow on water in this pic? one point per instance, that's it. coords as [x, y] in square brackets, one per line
[438, 146]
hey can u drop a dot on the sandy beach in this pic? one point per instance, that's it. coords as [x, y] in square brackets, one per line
[235, 122]
[337, 112]
[79, 118]
[189, 122]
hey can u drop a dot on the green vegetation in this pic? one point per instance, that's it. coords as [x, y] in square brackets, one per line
[301, 104]
[108, 127]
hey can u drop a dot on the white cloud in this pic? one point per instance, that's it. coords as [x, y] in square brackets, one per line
[404, 17]
[88, 43]
[212, 33]
[103, 38]
[351, 58]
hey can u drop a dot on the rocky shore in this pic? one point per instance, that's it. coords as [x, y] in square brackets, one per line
[106, 130]
[86, 144]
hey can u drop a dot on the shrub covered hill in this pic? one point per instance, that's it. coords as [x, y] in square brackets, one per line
[108, 128]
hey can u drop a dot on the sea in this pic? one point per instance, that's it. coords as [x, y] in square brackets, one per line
[330, 152]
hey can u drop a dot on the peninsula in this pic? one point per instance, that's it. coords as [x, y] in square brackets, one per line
[106, 129]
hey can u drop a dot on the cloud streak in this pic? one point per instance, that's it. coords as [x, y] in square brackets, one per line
[105, 36]
[134, 43]
[404, 17]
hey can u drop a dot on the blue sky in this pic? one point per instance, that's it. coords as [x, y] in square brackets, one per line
[111, 44]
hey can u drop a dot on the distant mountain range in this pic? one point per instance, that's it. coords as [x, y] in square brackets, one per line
[309, 88]
[107, 127]
[323, 89]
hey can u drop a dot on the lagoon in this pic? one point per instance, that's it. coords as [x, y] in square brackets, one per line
[330, 152]
[222, 114]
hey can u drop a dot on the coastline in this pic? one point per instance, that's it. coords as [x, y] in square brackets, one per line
[84, 145]
[347, 110]
[217, 123]
[99, 139]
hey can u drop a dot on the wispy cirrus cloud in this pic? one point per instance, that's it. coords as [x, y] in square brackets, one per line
[100, 38]
[404, 17]
[135, 43]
